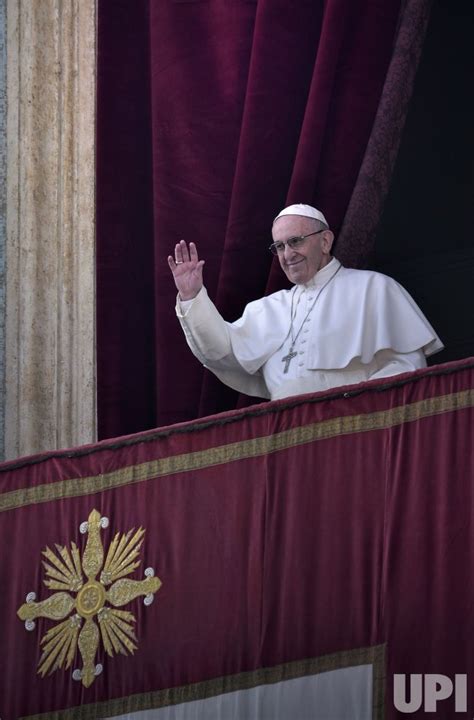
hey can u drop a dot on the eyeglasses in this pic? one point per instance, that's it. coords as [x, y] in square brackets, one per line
[278, 248]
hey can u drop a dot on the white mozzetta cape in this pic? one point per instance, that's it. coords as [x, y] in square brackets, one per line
[359, 313]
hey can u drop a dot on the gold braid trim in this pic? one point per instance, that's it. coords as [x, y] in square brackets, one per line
[374, 656]
[254, 447]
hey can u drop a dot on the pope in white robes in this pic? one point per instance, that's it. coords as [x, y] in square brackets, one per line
[335, 326]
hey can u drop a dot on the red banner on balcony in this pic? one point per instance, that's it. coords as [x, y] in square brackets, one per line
[293, 552]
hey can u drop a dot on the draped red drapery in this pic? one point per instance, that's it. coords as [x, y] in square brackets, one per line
[213, 115]
[299, 529]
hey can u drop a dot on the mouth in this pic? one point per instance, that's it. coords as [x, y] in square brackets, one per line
[292, 264]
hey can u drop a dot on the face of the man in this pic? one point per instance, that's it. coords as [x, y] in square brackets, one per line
[300, 265]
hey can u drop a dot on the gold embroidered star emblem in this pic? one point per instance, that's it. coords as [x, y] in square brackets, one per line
[85, 606]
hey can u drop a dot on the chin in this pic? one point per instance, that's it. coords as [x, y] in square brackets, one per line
[297, 277]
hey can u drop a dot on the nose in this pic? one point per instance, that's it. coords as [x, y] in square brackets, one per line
[288, 251]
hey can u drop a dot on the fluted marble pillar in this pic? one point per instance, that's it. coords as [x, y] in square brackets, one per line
[3, 205]
[50, 307]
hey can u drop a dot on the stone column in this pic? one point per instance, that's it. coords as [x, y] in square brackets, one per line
[50, 309]
[3, 205]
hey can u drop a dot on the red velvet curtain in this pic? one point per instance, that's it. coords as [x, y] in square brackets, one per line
[213, 115]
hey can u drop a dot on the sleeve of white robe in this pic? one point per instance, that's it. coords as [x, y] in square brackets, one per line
[209, 337]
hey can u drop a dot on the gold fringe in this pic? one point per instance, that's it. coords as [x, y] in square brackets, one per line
[254, 447]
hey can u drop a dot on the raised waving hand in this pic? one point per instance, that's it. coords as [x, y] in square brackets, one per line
[187, 270]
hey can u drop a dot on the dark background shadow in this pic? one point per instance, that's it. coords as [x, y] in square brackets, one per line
[425, 238]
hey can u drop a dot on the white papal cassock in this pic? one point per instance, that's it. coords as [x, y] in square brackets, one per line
[348, 326]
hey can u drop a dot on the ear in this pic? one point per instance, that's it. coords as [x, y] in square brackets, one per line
[327, 239]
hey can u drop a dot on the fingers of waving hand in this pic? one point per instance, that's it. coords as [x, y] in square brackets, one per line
[183, 254]
[187, 269]
[187, 266]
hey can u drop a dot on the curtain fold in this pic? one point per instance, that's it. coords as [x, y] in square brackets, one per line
[124, 222]
[357, 236]
[253, 106]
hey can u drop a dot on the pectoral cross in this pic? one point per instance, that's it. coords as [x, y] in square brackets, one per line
[288, 358]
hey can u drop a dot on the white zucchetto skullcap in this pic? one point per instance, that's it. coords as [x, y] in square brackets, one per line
[304, 210]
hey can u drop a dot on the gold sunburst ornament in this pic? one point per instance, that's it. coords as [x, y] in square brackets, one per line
[84, 607]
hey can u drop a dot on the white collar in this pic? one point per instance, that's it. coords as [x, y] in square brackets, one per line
[323, 275]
